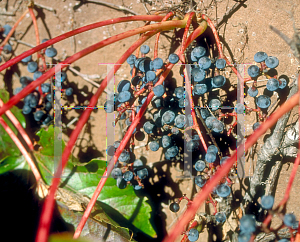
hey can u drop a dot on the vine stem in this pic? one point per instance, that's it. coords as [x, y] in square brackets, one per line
[18, 58]
[129, 132]
[17, 124]
[18, 143]
[45, 220]
[223, 170]
[13, 29]
[196, 126]
[160, 27]
[221, 54]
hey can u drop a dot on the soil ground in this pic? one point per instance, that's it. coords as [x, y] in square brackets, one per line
[244, 33]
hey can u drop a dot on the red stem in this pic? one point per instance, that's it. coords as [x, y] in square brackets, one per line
[46, 216]
[78, 31]
[186, 29]
[213, 182]
[160, 26]
[17, 124]
[128, 134]
[29, 160]
[36, 29]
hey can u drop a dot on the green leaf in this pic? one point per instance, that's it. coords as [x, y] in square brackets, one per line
[123, 205]
[7, 146]
[66, 238]
[13, 163]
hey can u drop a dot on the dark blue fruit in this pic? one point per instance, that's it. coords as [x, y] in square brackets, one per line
[51, 52]
[260, 57]
[253, 71]
[272, 62]
[220, 63]
[173, 58]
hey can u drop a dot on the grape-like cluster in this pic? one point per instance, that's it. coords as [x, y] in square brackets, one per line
[39, 102]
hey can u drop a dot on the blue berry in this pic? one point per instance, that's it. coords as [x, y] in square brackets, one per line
[128, 175]
[38, 115]
[244, 237]
[168, 117]
[7, 29]
[204, 113]
[239, 108]
[193, 235]
[209, 121]
[44, 40]
[260, 57]
[220, 63]
[47, 120]
[289, 219]
[267, 202]
[51, 52]
[159, 90]
[137, 163]
[32, 66]
[214, 104]
[253, 71]
[17, 90]
[108, 106]
[255, 126]
[7, 49]
[263, 101]
[179, 92]
[198, 52]
[247, 224]
[180, 121]
[123, 85]
[220, 217]
[37, 75]
[124, 96]
[252, 92]
[27, 59]
[192, 145]
[125, 156]
[142, 173]
[148, 127]
[204, 62]
[46, 87]
[154, 145]
[218, 81]
[223, 190]
[272, 62]
[116, 173]
[150, 76]
[181, 103]
[69, 91]
[33, 102]
[218, 126]
[213, 149]
[166, 141]
[48, 106]
[26, 109]
[157, 63]
[200, 165]
[272, 84]
[145, 49]
[131, 59]
[200, 181]
[199, 89]
[174, 207]
[198, 74]
[210, 157]
[283, 240]
[171, 152]
[173, 58]
[223, 160]
[61, 76]
[121, 183]
[283, 83]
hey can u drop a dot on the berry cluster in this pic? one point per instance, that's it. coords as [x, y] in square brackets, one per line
[40, 101]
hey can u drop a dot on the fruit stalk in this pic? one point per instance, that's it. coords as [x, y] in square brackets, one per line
[18, 58]
[225, 168]
[22, 149]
